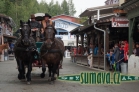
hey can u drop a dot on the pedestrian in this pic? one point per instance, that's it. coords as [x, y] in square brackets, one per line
[125, 51]
[90, 55]
[137, 49]
[111, 59]
[117, 56]
[121, 55]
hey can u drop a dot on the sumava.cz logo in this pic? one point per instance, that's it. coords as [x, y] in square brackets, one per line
[99, 78]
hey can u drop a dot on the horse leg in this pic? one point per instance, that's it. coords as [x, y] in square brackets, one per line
[50, 70]
[57, 72]
[23, 69]
[28, 75]
[43, 69]
[54, 69]
[20, 69]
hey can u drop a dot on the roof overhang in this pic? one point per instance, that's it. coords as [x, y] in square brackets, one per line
[130, 5]
[103, 10]
[67, 21]
[102, 17]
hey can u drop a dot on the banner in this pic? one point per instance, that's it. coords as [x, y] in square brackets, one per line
[99, 78]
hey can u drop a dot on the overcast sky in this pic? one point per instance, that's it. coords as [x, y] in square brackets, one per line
[82, 5]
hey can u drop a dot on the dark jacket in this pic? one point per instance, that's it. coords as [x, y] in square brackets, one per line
[117, 53]
[34, 24]
[137, 51]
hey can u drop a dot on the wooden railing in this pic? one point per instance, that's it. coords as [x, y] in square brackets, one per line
[98, 60]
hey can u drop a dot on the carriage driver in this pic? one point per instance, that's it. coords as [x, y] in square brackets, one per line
[35, 27]
[47, 20]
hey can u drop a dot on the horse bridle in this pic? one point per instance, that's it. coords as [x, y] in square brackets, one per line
[25, 32]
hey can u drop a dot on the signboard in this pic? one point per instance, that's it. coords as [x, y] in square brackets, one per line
[62, 25]
[120, 22]
[110, 2]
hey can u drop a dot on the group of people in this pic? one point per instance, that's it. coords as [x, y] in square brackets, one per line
[37, 27]
[5, 29]
[117, 55]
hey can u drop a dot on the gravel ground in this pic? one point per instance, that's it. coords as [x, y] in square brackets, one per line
[10, 83]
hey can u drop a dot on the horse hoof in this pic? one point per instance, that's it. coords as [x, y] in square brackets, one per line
[51, 82]
[19, 77]
[54, 78]
[28, 83]
[23, 80]
[42, 75]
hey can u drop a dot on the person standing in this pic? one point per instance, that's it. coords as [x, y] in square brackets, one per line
[90, 56]
[117, 56]
[126, 51]
[137, 49]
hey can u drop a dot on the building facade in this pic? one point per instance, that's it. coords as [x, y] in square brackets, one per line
[64, 24]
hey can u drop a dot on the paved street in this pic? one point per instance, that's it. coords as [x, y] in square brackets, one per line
[10, 83]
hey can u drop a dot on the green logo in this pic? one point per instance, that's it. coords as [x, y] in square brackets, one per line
[99, 78]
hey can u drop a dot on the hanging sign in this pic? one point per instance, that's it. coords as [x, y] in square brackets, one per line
[120, 22]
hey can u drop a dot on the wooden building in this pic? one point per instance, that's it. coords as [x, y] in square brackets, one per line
[132, 9]
[112, 21]
[6, 32]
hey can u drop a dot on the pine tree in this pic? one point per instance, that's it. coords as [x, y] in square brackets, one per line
[65, 7]
[72, 10]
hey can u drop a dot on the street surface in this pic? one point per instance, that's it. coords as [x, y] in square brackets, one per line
[10, 83]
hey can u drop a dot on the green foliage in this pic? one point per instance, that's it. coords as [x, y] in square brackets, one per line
[65, 7]
[83, 19]
[22, 9]
[72, 10]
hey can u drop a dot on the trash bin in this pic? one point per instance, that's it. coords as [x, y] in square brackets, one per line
[124, 68]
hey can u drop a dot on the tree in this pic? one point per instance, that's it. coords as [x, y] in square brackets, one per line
[2, 6]
[22, 9]
[72, 10]
[65, 7]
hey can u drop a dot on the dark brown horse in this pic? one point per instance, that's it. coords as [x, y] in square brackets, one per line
[51, 52]
[25, 50]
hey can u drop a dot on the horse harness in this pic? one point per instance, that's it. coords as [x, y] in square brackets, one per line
[27, 49]
[51, 50]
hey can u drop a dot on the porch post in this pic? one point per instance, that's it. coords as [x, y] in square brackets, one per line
[131, 24]
[77, 40]
[82, 40]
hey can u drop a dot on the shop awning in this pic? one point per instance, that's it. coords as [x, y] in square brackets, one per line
[76, 30]
[9, 37]
[103, 10]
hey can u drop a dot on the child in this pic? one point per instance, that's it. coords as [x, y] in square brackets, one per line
[112, 60]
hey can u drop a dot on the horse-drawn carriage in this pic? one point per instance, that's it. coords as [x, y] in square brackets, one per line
[33, 53]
